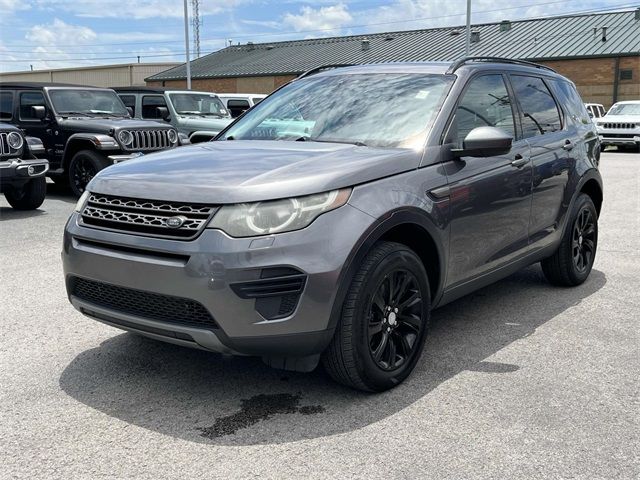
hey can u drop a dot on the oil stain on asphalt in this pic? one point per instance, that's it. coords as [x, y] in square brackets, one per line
[258, 408]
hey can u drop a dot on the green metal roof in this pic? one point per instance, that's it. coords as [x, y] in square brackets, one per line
[577, 36]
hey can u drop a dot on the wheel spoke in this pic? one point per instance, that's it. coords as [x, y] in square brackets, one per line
[411, 320]
[402, 287]
[378, 302]
[590, 230]
[410, 302]
[589, 245]
[392, 352]
[377, 353]
[375, 327]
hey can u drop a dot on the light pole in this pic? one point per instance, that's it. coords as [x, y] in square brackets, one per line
[186, 43]
[468, 45]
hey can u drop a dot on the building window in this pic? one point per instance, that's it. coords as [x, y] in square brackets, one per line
[626, 74]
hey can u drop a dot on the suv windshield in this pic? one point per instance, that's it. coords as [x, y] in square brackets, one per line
[625, 109]
[198, 104]
[381, 110]
[87, 102]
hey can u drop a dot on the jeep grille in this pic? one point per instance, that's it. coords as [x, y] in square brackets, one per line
[5, 149]
[150, 140]
[145, 217]
[619, 125]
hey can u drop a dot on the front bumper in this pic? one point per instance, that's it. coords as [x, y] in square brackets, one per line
[619, 136]
[17, 171]
[124, 157]
[204, 270]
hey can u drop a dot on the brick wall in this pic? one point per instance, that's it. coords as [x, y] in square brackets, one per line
[595, 78]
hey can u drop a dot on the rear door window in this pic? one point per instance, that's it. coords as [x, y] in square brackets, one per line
[539, 111]
[237, 106]
[150, 104]
[28, 100]
[572, 103]
[6, 105]
[485, 103]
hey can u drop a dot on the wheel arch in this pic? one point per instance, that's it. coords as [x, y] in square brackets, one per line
[594, 189]
[412, 228]
[78, 142]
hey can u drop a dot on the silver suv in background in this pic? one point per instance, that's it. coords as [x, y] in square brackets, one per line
[621, 125]
[331, 234]
[198, 116]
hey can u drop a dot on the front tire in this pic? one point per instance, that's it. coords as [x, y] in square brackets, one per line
[83, 167]
[384, 320]
[30, 196]
[571, 264]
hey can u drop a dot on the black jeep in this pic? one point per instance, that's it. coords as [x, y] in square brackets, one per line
[22, 175]
[83, 129]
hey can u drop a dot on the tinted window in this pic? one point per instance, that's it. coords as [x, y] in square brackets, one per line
[539, 109]
[201, 104]
[237, 107]
[28, 100]
[87, 103]
[6, 105]
[129, 101]
[570, 99]
[150, 104]
[485, 103]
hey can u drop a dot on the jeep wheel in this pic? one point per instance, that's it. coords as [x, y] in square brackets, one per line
[83, 167]
[572, 262]
[30, 196]
[384, 320]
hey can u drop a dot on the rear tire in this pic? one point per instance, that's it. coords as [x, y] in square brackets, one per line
[83, 167]
[30, 196]
[384, 320]
[571, 264]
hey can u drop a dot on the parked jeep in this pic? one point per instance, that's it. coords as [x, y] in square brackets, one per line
[200, 116]
[621, 125]
[83, 129]
[22, 175]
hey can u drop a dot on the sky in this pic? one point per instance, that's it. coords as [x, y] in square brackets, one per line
[43, 34]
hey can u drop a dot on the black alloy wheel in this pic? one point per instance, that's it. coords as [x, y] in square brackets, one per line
[395, 320]
[83, 167]
[583, 242]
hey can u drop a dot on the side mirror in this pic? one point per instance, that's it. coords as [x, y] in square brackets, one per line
[39, 112]
[484, 142]
[130, 110]
[163, 113]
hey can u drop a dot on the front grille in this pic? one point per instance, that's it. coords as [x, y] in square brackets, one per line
[150, 140]
[146, 217]
[5, 149]
[619, 135]
[619, 125]
[153, 306]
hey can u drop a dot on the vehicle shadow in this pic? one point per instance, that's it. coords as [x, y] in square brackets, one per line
[208, 398]
[54, 192]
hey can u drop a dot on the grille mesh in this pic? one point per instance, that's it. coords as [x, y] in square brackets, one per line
[154, 306]
[619, 125]
[145, 217]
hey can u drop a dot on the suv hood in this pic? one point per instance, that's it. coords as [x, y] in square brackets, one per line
[105, 125]
[201, 123]
[251, 170]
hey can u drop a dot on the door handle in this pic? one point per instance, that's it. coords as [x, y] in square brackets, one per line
[519, 161]
[568, 145]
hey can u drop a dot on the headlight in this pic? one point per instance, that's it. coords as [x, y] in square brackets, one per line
[14, 139]
[125, 137]
[173, 136]
[276, 216]
[82, 200]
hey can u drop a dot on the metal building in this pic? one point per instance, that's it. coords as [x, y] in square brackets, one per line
[121, 75]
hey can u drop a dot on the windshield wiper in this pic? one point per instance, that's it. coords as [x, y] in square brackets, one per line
[357, 143]
[68, 114]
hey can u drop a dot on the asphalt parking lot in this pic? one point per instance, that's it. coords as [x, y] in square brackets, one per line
[519, 380]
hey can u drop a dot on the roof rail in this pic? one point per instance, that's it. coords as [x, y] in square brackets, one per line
[322, 68]
[459, 63]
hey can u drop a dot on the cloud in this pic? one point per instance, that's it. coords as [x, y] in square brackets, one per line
[9, 6]
[331, 17]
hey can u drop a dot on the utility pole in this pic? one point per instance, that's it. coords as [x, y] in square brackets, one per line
[468, 42]
[196, 22]
[186, 44]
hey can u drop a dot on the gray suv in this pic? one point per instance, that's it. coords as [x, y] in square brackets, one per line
[327, 222]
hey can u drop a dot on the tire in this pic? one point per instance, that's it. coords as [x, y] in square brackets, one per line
[356, 357]
[30, 196]
[571, 264]
[83, 167]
